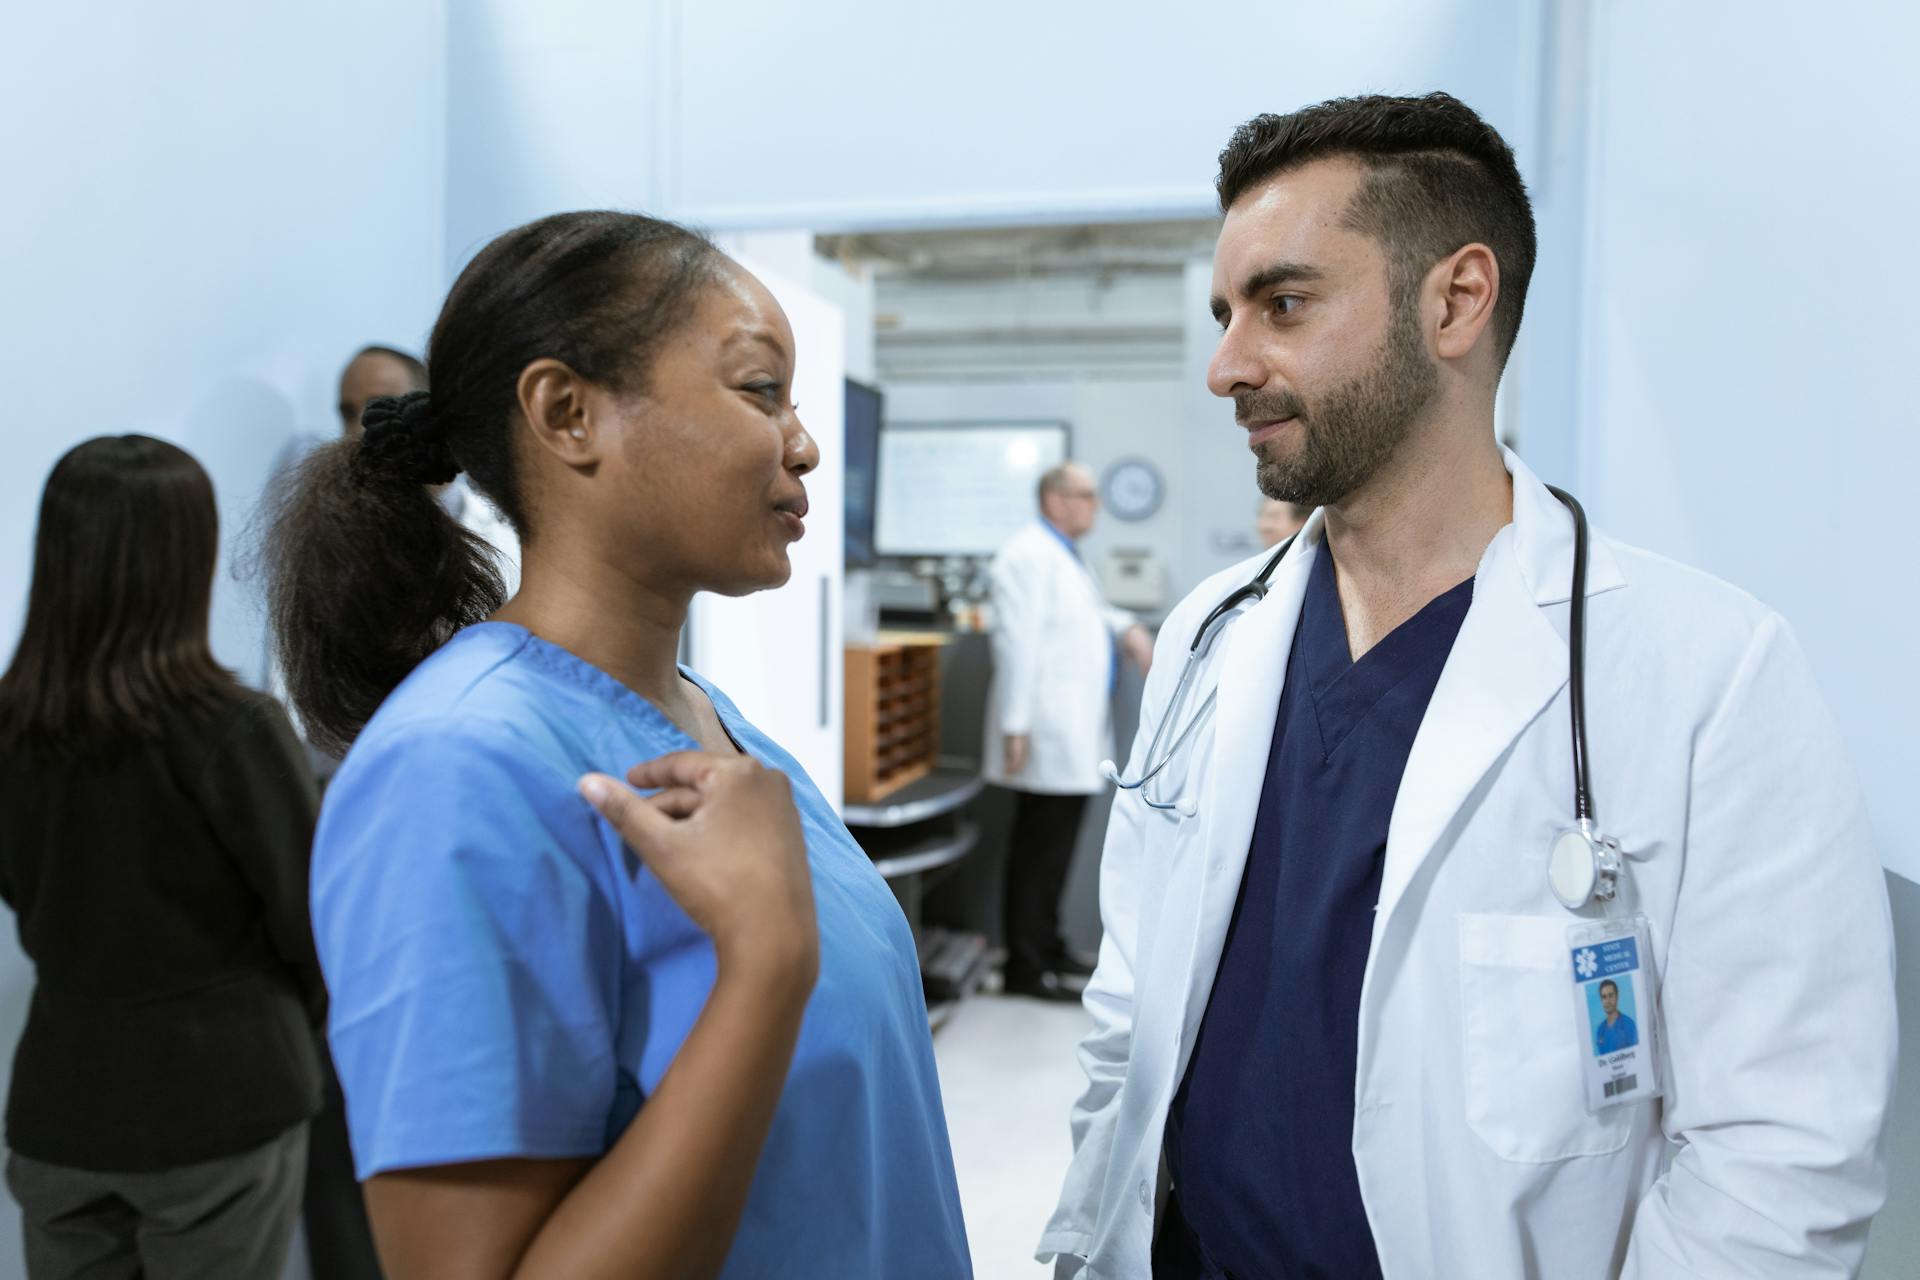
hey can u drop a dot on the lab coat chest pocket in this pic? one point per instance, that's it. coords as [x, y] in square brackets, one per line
[1525, 1093]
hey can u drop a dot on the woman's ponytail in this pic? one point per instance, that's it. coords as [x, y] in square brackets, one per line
[368, 573]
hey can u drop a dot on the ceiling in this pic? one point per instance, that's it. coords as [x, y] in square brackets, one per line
[1025, 252]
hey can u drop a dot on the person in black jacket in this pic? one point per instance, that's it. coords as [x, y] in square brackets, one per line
[155, 825]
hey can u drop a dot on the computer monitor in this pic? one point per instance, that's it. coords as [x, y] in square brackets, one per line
[862, 452]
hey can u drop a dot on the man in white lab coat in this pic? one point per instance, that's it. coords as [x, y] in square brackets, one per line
[1048, 722]
[1338, 1000]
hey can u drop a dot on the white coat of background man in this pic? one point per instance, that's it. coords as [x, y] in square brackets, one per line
[1336, 993]
[1049, 725]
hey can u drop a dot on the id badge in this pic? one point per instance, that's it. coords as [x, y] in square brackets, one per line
[1614, 1001]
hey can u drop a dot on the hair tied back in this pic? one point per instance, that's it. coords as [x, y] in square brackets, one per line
[405, 440]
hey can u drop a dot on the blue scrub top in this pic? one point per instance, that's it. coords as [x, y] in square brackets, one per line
[1612, 1038]
[1260, 1135]
[506, 980]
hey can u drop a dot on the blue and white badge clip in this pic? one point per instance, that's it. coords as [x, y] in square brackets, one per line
[1615, 1000]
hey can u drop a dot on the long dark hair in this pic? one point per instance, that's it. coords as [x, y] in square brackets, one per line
[367, 573]
[116, 630]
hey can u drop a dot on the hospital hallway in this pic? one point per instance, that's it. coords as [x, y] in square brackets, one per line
[1008, 1076]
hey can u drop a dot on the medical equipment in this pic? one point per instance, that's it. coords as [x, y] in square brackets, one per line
[1253, 592]
[1582, 865]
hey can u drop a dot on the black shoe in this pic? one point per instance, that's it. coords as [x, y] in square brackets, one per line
[1073, 963]
[1042, 986]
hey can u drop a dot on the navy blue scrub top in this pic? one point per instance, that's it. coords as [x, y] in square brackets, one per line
[1260, 1137]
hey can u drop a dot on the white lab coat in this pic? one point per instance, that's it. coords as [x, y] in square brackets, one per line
[1718, 767]
[466, 505]
[1053, 637]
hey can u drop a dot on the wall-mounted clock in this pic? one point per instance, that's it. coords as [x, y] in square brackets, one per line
[1132, 489]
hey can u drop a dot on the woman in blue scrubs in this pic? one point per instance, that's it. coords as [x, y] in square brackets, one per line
[583, 1029]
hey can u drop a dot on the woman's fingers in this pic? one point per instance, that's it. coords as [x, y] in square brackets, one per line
[679, 769]
[724, 838]
[676, 802]
[639, 822]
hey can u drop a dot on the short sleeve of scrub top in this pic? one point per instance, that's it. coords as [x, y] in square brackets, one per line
[507, 980]
[472, 954]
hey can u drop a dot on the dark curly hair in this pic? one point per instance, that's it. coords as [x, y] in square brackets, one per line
[1438, 177]
[366, 573]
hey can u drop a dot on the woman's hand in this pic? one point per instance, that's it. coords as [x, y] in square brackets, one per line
[722, 835]
[1137, 644]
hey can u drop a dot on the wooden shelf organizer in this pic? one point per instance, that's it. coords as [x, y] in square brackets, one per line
[893, 716]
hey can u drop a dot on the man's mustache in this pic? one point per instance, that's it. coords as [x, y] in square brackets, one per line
[1267, 406]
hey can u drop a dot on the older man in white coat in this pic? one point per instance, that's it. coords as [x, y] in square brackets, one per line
[1048, 722]
[1338, 999]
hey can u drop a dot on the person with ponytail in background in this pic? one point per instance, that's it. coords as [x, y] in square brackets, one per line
[155, 820]
[585, 1031]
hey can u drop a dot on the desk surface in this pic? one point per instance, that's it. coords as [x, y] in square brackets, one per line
[942, 791]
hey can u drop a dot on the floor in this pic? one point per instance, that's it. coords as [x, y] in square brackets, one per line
[1009, 1077]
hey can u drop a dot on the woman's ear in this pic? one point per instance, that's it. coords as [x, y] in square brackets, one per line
[557, 405]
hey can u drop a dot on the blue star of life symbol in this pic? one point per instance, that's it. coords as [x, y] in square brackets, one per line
[1587, 963]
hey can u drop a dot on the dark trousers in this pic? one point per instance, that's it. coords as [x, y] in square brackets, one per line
[1039, 854]
[339, 1241]
[225, 1219]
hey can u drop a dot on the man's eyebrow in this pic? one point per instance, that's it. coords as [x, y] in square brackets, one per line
[1267, 277]
[1279, 273]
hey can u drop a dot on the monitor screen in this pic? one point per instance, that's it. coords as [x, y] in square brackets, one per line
[862, 452]
[961, 488]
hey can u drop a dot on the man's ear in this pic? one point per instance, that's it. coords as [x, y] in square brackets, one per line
[1464, 288]
[556, 404]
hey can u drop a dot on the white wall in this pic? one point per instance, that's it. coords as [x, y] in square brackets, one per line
[872, 113]
[201, 228]
[1752, 319]
[550, 106]
[208, 207]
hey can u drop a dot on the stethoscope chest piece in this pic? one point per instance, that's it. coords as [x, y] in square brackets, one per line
[1583, 867]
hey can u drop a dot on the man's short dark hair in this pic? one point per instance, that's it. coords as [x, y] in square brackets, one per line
[416, 371]
[1438, 177]
[1610, 983]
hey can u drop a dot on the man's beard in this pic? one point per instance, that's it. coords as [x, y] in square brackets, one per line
[1355, 428]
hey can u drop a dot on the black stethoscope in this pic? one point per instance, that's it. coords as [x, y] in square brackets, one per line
[1583, 865]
